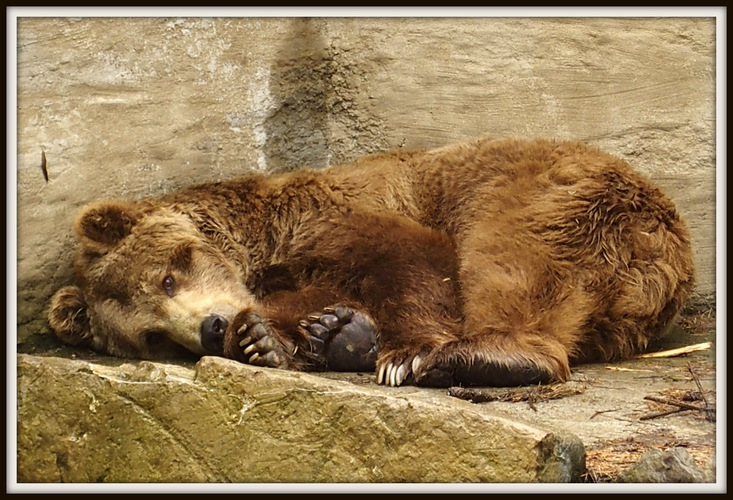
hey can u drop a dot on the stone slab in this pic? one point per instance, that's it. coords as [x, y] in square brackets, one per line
[221, 422]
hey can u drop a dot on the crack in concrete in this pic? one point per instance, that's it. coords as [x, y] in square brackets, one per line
[195, 458]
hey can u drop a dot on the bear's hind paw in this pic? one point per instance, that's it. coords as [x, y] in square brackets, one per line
[487, 370]
[424, 370]
[501, 373]
[341, 339]
[396, 369]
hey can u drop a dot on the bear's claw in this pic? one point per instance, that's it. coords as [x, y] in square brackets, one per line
[260, 345]
[341, 339]
[393, 373]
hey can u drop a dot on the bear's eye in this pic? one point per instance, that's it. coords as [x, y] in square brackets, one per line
[154, 337]
[169, 285]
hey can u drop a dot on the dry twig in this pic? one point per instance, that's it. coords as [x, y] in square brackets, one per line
[532, 394]
[680, 405]
[622, 369]
[658, 414]
[709, 408]
[674, 402]
[601, 412]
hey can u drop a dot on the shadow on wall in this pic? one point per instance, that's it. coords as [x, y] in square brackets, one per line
[301, 85]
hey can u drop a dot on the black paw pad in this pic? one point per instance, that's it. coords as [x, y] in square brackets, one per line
[342, 339]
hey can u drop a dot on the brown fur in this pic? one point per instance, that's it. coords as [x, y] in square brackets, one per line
[488, 262]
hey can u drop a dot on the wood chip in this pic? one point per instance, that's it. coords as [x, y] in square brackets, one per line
[677, 352]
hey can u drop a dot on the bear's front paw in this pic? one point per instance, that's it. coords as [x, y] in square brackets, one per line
[255, 342]
[341, 339]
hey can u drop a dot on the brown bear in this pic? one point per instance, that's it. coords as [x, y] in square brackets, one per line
[492, 262]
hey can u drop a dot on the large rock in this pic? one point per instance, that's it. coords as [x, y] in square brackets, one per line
[671, 466]
[221, 421]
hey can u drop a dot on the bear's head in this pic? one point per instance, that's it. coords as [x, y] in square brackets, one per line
[150, 284]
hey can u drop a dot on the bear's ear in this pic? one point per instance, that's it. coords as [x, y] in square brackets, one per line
[68, 317]
[102, 225]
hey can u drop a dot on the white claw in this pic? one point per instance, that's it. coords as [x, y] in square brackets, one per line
[401, 371]
[393, 375]
[249, 349]
[416, 363]
[380, 374]
[253, 358]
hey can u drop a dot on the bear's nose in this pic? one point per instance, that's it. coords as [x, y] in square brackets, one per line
[212, 333]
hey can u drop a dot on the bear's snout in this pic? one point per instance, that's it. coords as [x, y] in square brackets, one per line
[212, 333]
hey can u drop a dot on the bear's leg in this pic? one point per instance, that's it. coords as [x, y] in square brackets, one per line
[404, 275]
[523, 314]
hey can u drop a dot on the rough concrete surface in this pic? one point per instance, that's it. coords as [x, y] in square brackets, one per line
[135, 107]
[609, 415]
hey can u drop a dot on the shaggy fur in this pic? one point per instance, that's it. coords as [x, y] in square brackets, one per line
[493, 262]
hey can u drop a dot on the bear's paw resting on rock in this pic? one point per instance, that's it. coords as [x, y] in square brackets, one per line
[341, 339]
[255, 342]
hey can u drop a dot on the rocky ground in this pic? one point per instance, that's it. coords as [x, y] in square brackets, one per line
[622, 411]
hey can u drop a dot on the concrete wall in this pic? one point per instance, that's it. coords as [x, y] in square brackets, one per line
[134, 107]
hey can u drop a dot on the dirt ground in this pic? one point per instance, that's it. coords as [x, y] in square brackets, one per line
[633, 424]
[613, 416]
